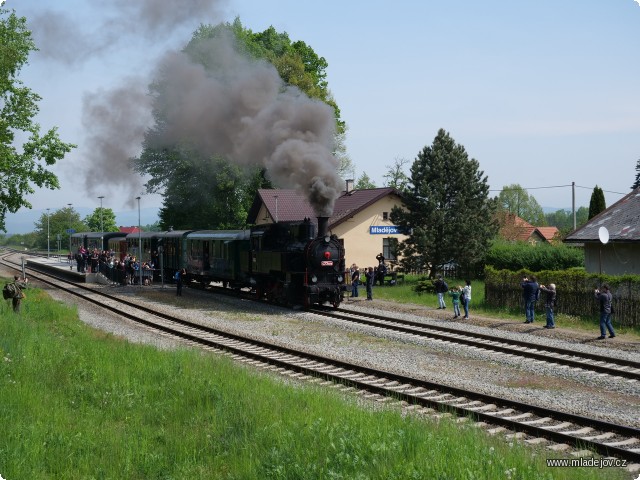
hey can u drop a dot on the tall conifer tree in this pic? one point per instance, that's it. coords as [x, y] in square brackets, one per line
[449, 216]
[597, 203]
[636, 184]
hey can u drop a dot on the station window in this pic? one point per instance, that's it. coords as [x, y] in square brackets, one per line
[385, 216]
[389, 246]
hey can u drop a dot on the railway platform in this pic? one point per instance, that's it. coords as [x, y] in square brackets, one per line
[61, 266]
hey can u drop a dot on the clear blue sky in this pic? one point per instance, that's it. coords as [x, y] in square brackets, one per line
[542, 93]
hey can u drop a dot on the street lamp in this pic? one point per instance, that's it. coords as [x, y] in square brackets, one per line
[69, 205]
[101, 226]
[139, 245]
[48, 232]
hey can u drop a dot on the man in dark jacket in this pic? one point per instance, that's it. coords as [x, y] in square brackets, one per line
[604, 298]
[529, 295]
[441, 287]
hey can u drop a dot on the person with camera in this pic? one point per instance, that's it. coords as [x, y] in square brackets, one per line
[530, 293]
[21, 284]
[604, 298]
[549, 303]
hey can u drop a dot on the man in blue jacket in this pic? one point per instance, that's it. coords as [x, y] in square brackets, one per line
[530, 293]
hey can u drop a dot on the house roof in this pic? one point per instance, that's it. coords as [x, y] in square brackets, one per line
[622, 221]
[515, 228]
[128, 230]
[289, 205]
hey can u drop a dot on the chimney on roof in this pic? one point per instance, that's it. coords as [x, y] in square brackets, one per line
[349, 185]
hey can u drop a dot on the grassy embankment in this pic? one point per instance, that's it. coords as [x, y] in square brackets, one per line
[80, 403]
[404, 293]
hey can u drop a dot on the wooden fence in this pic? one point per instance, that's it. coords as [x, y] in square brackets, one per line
[575, 293]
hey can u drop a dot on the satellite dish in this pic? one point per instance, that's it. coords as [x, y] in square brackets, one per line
[603, 235]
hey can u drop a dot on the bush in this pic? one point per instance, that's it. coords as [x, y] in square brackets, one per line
[521, 255]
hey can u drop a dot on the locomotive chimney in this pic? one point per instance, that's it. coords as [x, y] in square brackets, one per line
[323, 226]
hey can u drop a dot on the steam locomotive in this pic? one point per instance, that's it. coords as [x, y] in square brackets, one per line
[285, 263]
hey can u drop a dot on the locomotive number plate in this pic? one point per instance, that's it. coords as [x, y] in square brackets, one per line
[326, 263]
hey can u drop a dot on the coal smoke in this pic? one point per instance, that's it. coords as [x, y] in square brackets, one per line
[237, 107]
[62, 39]
[115, 121]
[241, 109]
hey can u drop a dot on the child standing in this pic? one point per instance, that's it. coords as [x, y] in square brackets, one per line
[455, 298]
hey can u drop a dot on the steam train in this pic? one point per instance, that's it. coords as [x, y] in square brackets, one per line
[285, 263]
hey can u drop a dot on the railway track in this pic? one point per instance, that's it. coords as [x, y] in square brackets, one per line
[530, 422]
[590, 362]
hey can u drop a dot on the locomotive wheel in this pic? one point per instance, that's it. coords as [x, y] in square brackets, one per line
[336, 305]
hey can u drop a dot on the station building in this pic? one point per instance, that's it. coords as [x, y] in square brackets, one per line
[360, 217]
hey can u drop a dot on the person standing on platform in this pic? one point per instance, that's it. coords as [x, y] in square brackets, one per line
[371, 278]
[179, 277]
[355, 281]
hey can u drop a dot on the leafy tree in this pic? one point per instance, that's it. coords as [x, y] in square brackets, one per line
[346, 167]
[152, 227]
[395, 176]
[225, 202]
[20, 169]
[211, 192]
[102, 220]
[449, 216]
[597, 203]
[364, 182]
[20, 240]
[515, 199]
[563, 219]
[57, 223]
[636, 184]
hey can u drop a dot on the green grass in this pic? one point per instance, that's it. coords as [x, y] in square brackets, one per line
[77, 403]
[404, 293]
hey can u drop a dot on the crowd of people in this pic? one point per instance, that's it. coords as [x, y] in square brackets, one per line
[125, 271]
[369, 278]
[461, 296]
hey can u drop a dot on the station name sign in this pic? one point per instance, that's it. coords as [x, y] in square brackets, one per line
[385, 230]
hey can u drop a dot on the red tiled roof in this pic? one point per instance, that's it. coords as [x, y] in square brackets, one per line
[291, 205]
[128, 230]
[549, 232]
[515, 228]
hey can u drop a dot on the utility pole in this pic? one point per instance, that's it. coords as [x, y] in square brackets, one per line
[573, 203]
